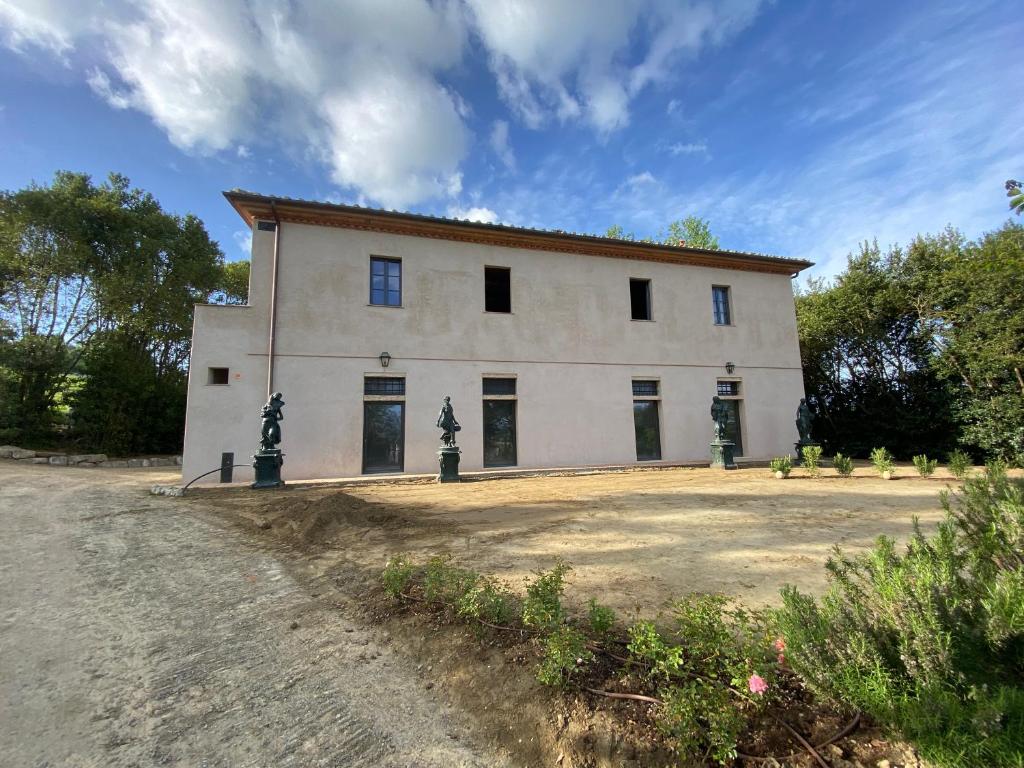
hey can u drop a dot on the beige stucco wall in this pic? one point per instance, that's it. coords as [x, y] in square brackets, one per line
[569, 341]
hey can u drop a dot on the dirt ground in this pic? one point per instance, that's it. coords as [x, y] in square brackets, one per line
[635, 539]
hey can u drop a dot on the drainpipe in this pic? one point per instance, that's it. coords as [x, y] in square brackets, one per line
[273, 302]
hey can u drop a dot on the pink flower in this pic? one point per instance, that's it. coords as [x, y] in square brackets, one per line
[780, 645]
[757, 684]
[782, 658]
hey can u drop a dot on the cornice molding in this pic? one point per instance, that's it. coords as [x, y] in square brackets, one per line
[251, 207]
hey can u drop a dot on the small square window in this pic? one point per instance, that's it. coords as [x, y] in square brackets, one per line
[645, 388]
[217, 376]
[497, 289]
[386, 282]
[729, 388]
[720, 305]
[384, 385]
[499, 386]
[640, 298]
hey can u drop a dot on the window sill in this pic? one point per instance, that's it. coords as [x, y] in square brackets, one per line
[495, 312]
[640, 320]
[387, 306]
[218, 385]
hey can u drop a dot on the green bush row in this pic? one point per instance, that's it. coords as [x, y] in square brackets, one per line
[958, 462]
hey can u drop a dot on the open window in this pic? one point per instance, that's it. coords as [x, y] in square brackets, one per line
[640, 298]
[497, 289]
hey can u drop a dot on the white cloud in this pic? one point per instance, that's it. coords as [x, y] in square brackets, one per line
[691, 148]
[353, 84]
[500, 145]
[485, 215]
[566, 59]
[641, 179]
[243, 152]
[243, 239]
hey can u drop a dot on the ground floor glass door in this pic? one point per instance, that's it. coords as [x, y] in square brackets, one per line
[383, 437]
[648, 433]
[733, 429]
[499, 433]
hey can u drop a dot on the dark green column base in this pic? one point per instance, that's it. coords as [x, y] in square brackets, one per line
[268, 468]
[448, 458]
[722, 454]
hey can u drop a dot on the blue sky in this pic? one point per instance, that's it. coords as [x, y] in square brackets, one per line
[797, 128]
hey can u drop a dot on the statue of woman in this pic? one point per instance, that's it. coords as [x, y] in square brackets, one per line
[446, 421]
[803, 421]
[270, 435]
[720, 414]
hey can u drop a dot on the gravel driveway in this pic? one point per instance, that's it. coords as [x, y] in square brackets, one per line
[137, 631]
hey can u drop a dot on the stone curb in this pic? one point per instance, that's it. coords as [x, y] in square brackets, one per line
[83, 459]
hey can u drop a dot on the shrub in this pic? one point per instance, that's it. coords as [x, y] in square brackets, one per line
[397, 573]
[843, 465]
[489, 601]
[702, 719]
[783, 464]
[661, 658]
[601, 618]
[958, 463]
[925, 467]
[812, 459]
[929, 642]
[542, 607]
[444, 583]
[882, 459]
[565, 654]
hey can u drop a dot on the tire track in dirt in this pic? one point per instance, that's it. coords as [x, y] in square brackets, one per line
[137, 631]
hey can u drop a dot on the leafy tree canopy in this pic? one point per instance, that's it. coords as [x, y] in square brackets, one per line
[692, 231]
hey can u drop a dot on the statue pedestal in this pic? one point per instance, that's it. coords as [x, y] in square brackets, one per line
[721, 454]
[799, 446]
[267, 464]
[449, 460]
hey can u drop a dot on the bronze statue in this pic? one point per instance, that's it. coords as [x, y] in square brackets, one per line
[270, 434]
[720, 414]
[803, 421]
[446, 421]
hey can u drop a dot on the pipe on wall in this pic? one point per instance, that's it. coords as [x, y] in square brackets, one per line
[273, 301]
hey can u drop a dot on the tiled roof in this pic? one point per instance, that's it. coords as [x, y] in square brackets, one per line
[239, 197]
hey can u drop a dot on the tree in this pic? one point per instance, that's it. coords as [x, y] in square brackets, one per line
[79, 259]
[1016, 195]
[693, 232]
[234, 283]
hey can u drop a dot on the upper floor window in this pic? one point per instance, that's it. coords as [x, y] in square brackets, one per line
[386, 281]
[640, 298]
[720, 304]
[497, 289]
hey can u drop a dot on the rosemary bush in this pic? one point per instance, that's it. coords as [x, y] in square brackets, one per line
[959, 463]
[925, 466]
[883, 460]
[542, 607]
[783, 464]
[812, 459]
[843, 465]
[930, 641]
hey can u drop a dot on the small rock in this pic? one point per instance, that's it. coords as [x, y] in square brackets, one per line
[883, 764]
[21, 453]
[428, 686]
[86, 464]
[93, 458]
[293, 625]
[7, 450]
[58, 461]
[263, 525]
[38, 460]
[834, 750]
[160, 462]
[135, 463]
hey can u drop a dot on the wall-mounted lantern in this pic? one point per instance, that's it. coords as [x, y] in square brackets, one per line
[385, 358]
[730, 367]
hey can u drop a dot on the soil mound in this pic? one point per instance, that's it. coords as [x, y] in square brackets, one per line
[317, 521]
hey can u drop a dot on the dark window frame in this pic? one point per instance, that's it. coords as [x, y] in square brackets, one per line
[646, 388]
[641, 304]
[721, 304]
[497, 298]
[729, 388]
[401, 464]
[507, 383]
[387, 261]
[384, 386]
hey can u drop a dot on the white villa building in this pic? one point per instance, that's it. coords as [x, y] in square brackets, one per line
[557, 349]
